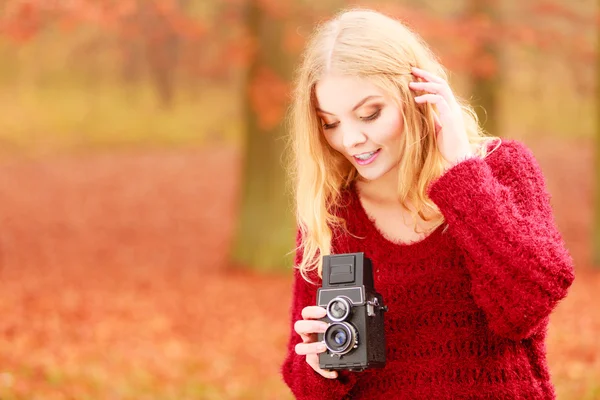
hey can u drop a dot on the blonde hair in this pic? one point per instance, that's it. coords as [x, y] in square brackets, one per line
[382, 50]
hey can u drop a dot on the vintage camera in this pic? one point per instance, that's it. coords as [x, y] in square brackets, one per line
[355, 338]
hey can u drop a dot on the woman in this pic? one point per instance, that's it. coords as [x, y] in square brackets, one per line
[458, 225]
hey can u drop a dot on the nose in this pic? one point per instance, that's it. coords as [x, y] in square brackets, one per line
[352, 137]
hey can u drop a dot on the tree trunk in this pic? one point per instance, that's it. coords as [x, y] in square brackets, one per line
[162, 52]
[596, 239]
[265, 231]
[131, 53]
[485, 86]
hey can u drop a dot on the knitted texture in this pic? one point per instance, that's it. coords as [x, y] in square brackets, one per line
[468, 304]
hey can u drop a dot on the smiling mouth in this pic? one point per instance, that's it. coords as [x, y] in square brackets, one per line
[365, 156]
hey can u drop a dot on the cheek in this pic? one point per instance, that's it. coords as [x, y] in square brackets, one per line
[388, 128]
[334, 140]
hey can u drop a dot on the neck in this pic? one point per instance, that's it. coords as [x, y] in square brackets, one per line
[383, 190]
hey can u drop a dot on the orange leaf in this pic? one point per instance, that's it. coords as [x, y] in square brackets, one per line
[268, 98]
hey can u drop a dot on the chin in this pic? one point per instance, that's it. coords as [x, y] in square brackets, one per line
[370, 174]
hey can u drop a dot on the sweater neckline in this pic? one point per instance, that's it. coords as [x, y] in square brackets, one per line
[416, 247]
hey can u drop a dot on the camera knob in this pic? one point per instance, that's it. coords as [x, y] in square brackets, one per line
[373, 305]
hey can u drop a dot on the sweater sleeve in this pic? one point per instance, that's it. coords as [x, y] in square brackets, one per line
[498, 211]
[304, 382]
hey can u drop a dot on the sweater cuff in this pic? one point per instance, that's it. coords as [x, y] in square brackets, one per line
[336, 388]
[306, 384]
[462, 180]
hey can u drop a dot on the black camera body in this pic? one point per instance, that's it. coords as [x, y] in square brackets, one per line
[355, 338]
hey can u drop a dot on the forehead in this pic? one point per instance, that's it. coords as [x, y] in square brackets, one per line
[341, 93]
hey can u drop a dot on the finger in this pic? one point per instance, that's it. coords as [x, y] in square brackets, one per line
[431, 87]
[313, 361]
[313, 312]
[427, 75]
[435, 88]
[303, 349]
[436, 99]
[308, 326]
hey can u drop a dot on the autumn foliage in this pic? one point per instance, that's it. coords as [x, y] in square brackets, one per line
[218, 44]
[114, 269]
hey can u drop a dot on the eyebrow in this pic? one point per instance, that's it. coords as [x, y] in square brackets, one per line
[360, 103]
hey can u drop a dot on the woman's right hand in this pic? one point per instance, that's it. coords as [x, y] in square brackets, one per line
[307, 328]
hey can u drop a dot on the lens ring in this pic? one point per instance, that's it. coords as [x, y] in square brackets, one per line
[338, 309]
[340, 338]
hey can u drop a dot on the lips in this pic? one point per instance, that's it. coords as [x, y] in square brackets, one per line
[366, 158]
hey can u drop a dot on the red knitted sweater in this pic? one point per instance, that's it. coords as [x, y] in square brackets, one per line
[468, 305]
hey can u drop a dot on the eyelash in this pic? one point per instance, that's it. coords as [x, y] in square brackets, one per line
[370, 118]
[373, 116]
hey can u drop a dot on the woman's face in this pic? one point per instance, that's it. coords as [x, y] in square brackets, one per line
[361, 122]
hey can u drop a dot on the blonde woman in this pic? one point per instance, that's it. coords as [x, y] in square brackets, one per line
[457, 224]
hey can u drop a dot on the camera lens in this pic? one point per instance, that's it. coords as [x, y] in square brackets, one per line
[338, 309]
[341, 338]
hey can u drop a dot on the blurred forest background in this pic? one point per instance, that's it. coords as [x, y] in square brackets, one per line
[145, 221]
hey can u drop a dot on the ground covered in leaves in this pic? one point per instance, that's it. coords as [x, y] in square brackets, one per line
[114, 283]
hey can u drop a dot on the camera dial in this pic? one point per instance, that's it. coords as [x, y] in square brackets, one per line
[341, 338]
[338, 309]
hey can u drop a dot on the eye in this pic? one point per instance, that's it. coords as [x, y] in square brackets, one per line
[329, 126]
[373, 116]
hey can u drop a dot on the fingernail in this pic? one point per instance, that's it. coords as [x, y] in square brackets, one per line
[322, 327]
[321, 347]
[333, 375]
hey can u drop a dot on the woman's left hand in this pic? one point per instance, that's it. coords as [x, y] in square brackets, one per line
[452, 139]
